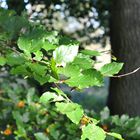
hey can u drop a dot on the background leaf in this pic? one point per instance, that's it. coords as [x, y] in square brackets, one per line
[2, 61]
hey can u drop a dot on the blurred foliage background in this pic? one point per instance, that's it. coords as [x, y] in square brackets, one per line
[85, 20]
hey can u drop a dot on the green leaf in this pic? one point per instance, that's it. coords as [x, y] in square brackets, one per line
[76, 115]
[69, 70]
[38, 55]
[32, 41]
[83, 61]
[87, 78]
[11, 59]
[13, 22]
[113, 58]
[41, 79]
[50, 96]
[47, 96]
[54, 69]
[65, 54]
[52, 80]
[90, 52]
[37, 39]
[30, 95]
[29, 45]
[40, 136]
[72, 110]
[115, 135]
[25, 44]
[19, 122]
[49, 46]
[64, 40]
[104, 114]
[20, 70]
[111, 68]
[2, 61]
[60, 92]
[92, 132]
[37, 68]
[51, 37]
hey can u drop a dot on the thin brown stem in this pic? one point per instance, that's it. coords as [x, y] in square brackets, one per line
[126, 74]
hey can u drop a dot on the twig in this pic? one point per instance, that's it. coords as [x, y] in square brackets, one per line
[126, 74]
[61, 89]
[105, 51]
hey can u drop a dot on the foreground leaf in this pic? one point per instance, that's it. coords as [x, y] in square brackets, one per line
[73, 111]
[86, 79]
[49, 96]
[116, 135]
[65, 54]
[83, 61]
[111, 68]
[92, 132]
[69, 71]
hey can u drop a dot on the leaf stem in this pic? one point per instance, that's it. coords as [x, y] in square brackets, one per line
[126, 74]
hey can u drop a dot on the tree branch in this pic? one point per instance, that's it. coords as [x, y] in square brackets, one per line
[126, 74]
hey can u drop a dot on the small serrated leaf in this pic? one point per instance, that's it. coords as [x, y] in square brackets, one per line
[111, 68]
[73, 111]
[93, 132]
[115, 135]
[89, 77]
[50, 96]
[47, 96]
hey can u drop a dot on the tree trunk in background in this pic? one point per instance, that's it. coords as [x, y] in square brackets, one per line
[124, 97]
[17, 5]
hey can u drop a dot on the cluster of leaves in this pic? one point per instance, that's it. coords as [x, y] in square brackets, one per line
[26, 117]
[33, 52]
[128, 127]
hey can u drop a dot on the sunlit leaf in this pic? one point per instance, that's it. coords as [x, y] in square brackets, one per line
[111, 68]
[93, 132]
[65, 54]
[73, 111]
